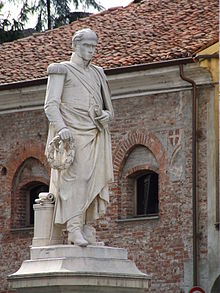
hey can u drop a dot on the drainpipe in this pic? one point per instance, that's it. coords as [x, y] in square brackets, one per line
[194, 178]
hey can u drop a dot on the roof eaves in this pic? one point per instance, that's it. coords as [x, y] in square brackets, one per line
[210, 48]
[21, 84]
[213, 48]
[110, 71]
[146, 66]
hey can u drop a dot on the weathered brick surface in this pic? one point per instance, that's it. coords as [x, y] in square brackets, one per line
[160, 246]
[23, 135]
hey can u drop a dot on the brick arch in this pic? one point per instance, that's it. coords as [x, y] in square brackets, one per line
[139, 137]
[20, 201]
[28, 181]
[133, 139]
[139, 168]
[21, 154]
[17, 185]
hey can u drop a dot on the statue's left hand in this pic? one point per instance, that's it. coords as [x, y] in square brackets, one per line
[103, 119]
[65, 134]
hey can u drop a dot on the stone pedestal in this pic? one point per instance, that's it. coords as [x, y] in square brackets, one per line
[73, 269]
[42, 226]
[43, 218]
[54, 267]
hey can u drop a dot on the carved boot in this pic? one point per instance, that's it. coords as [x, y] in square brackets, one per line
[89, 233]
[77, 238]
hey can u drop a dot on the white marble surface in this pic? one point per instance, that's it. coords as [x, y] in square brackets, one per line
[73, 251]
[69, 268]
[42, 226]
[71, 258]
[78, 109]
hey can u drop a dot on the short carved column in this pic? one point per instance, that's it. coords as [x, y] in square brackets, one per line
[43, 217]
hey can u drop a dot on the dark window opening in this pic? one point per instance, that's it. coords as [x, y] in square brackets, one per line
[33, 194]
[147, 194]
[4, 171]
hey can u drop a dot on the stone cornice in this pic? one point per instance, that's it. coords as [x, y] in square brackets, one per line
[155, 81]
[122, 85]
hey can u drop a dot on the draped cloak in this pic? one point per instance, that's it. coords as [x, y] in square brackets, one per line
[71, 93]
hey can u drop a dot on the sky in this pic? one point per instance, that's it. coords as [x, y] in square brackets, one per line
[12, 10]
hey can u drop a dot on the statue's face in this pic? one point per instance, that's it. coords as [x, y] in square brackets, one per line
[86, 48]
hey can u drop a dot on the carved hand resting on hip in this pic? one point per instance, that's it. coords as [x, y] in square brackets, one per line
[65, 134]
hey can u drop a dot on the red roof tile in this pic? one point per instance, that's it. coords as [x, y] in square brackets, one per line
[144, 32]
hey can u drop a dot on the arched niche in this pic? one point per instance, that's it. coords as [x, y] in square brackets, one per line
[139, 184]
[30, 179]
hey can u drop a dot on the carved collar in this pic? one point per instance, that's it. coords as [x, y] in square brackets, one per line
[75, 59]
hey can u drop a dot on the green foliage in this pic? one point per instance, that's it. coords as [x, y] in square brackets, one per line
[51, 13]
[9, 30]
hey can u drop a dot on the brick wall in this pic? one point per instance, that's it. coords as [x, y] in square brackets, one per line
[23, 136]
[30, 174]
[152, 132]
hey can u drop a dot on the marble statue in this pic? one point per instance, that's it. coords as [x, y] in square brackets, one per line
[78, 107]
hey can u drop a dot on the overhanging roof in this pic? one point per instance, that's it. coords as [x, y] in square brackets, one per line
[142, 33]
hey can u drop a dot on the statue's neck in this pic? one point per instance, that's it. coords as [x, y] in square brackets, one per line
[76, 59]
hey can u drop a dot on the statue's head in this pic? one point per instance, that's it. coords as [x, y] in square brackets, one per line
[84, 43]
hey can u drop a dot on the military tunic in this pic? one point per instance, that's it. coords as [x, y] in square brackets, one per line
[72, 93]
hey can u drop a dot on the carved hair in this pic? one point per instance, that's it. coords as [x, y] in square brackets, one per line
[85, 33]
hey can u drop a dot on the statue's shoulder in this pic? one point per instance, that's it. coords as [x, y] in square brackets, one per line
[57, 68]
[99, 69]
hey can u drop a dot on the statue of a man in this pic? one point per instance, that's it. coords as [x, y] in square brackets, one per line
[78, 106]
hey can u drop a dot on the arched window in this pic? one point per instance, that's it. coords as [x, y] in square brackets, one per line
[30, 179]
[147, 194]
[23, 213]
[139, 185]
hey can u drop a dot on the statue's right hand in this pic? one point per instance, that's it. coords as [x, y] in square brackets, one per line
[65, 134]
